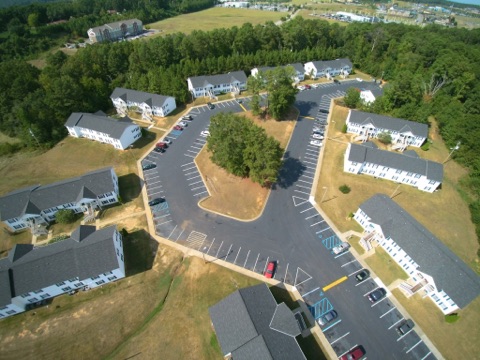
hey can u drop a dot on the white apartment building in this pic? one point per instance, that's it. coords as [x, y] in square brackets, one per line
[212, 85]
[328, 69]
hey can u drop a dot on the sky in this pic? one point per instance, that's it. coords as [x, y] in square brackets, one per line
[471, 2]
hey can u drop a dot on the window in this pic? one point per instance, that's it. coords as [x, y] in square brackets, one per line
[100, 282]
[78, 284]
[112, 278]
[10, 312]
[66, 288]
[44, 296]
[398, 172]
[38, 292]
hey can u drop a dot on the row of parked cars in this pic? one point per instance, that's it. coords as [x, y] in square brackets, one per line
[318, 131]
[314, 86]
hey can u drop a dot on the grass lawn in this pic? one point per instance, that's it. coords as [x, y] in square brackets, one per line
[385, 267]
[248, 199]
[433, 211]
[354, 241]
[455, 341]
[214, 18]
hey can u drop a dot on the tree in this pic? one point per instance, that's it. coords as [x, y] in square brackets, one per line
[352, 98]
[281, 92]
[255, 84]
[65, 216]
[33, 20]
[385, 138]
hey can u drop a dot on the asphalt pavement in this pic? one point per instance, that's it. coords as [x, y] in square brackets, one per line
[290, 230]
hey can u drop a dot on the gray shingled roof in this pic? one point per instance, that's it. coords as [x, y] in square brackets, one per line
[116, 24]
[34, 199]
[5, 291]
[334, 64]
[389, 123]
[361, 153]
[247, 314]
[139, 97]
[297, 66]
[449, 272]
[255, 349]
[92, 254]
[104, 124]
[203, 81]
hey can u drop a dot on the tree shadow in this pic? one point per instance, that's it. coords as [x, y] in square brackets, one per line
[290, 172]
[305, 107]
[140, 250]
[130, 186]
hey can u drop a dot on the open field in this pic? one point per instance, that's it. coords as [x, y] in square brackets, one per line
[455, 341]
[431, 210]
[214, 18]
[249, 198]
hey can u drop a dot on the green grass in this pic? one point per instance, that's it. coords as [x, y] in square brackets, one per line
[354, 241]
[385, 267]
[214, 18]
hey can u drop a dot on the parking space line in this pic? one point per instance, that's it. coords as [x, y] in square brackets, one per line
[164, 223]
[414, 346]
[153, 177]
[303, 187]
[381, 316]
[196, 182]
[266, 263]
[371, 291]
[193, 177]
[303, 192]
[192, 167]
[309, 162]
[228, 252]
[305, 181]
[189, 156]
[311, 291]
[317, 223]
[310, 177]
[332, 325]
[310, 208]
[235, 261]
[198, 187]
[159, 217]
[318, 232]
[354, 346]
[309, 217]
[200, 193]
[216, 255]
[286, 272]
[408, 332]
[191, 173]
[349, 262]
[156, 192]
[168, 238]
[155, 182]
[344, 253]
[254, 266]
[309, 158]
[426, 356]
[191, 151]
[178, 237]
[353, 273]
[378, 302]
[341, 337]
[245, 263]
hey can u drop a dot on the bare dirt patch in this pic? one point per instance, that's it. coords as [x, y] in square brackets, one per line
[240, 197]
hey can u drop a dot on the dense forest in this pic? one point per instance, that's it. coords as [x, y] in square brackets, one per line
[432, 71]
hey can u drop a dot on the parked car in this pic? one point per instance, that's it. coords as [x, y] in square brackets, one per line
[155, 201]
[328, 317]
[405, 327]
[210, 106]
[187, 117]
[183, 124]
[205, 133]
[317, 129]
[362, 275]
[359, 80]
[376, 295]
[167, 141]
[307, 87]
[315, 86]
[323, 111]
[317, 136]
[159, 149]
[149, 166]
[316, 143]
[270, 270]
[356, 353]
[301, 88]
[336, 81]
[177, 127]
[239, 101]
[344, 246]
[162, 144]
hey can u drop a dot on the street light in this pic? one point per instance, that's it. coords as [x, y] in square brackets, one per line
[324, 193]
[456, 147]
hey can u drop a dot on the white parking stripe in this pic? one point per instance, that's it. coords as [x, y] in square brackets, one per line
[303, 192]
[310, 208]
[413, 347]
[200, 193]
[426, 356]
[379, 301]
[341, 337]
[190, 173]
[381, 316]
[193, 177]
[408, 332]
[349, 262]
[317, 223]
[396, 323]
[309, 217]
[371, 291]
[196, 182]
[353, 273]
[307, 182]
[190, 168]
[304, 187]
[186, 164]
[344, 253]
[190, 156]
[198, 187]
[163, 223]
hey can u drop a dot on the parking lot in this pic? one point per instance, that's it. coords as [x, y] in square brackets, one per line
[290, 231]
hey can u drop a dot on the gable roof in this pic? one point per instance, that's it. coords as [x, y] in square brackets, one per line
[104, 124]
[449, 272]
[204, 81]
[250, 323]
[116, 24]
[389, 123]
[33, 200]
[40, 267]
[139, 97]
[321, 65]
[406, 162]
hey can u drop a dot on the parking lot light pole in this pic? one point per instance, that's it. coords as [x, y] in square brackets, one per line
[456, 147]
[324, 193]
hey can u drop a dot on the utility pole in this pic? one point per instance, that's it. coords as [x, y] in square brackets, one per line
[456, 147]
[33, 135]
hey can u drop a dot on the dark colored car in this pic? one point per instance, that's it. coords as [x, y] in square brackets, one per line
[155, 201]
[210, 106]
[270, 270]
[356, 353]
[324, 111]
[328, 317]
[362, 275]
[376, 295]
[405, 327]
[162, 145]
[177, 127]
[149, 166]
[336, 81]
[159, 150]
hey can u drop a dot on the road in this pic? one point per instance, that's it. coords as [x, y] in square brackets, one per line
[290, 231]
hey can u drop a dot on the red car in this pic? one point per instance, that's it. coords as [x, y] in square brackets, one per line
[270, 270]
[162, 145]
[354, 354]
[177, 127]
[308, 87]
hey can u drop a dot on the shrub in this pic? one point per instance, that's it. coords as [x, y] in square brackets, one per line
[385, 138]
[344, 128]
[426, 146]
[345, 189]
[451, 318]
[65, 216]
[58, 238]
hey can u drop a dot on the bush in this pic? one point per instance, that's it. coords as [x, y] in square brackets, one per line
[58, 238]
[426, 146]
[345, 189]
[385, 138]
[451, 318]
[344, 128]
[65, 216]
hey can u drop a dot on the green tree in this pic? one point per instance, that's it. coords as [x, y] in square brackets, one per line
[281, 92]
[65, 216]
[33, 20]
[255, 85]
[352, 98]
[385, 138]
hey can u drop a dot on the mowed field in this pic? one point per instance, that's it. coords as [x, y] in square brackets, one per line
[214, 18]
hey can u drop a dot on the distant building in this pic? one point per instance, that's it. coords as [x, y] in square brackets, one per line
[367, 96]
[318, 69]
[251, 325]
[30, 275]
[115, 31]
[236, 4]
[432, 268]
[297, 67]
[38, 204]
[354, 17]
[147, 104]
[119, 133]
[212, 85]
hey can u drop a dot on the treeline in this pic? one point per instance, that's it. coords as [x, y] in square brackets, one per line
[31, 29]
[431, 71]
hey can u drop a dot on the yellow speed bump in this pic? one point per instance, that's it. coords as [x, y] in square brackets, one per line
[307, 117]
[335, 283]
[242, 107]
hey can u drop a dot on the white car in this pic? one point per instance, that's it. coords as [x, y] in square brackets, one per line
[316, 143]
[344, 246]
[301, 88]
[317, 136]
[314, 86]
[205, 133]
[359, 80]
[167, 141]
[183, 124]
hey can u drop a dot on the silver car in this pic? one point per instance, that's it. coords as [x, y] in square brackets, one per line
[344, 246]
[328, 317]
